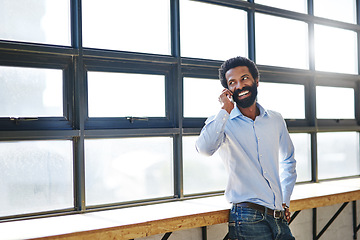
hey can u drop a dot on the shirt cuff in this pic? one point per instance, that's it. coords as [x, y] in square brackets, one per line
[222, 116]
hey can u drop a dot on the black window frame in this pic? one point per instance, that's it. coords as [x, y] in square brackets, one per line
[76, 61]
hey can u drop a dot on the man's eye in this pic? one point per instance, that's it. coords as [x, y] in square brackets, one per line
[245, 78]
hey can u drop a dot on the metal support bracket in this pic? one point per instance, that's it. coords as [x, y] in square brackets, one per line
[331, 220]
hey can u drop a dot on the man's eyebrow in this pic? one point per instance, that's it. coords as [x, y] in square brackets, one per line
[233, 79]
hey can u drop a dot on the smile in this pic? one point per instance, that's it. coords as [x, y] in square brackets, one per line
[243, 93]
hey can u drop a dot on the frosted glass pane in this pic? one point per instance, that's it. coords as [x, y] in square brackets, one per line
[281, 42]
[38, 21]
[328, 99]
[123, 94]
[344, 10]
[201, 173]
[31, 92]
[198, 102]
[338, 154]
[204, 34]
[293, 5]
[35, 176]
[301, 143]
[287, 99]
[128, 169]
[128, 25]
[333, 44]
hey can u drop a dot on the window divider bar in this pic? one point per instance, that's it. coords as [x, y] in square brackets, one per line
[251, 34]
[175, 88]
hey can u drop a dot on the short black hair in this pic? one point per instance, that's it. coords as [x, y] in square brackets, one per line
[236, 62]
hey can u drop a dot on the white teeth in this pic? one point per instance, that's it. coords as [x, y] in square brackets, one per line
[243, 93]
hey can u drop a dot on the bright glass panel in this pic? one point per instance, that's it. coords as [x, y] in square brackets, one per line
[301, 143]
[206, 35]
[281, 42]
[127, 25]
[287, 99]
[335, 102]
[293, 5]
[126, 94]
[338, 154]
[31, 92]
[128, 169]
[201, 173]
[198, 102]
[37, 21]
[35, 176]
[335, 50]
[344, 10]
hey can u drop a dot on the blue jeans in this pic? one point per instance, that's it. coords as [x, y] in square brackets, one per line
[250, 224]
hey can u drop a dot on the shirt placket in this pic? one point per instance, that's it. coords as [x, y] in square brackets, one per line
[260, 156]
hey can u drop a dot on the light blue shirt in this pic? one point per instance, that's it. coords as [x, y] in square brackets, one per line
[258, 156]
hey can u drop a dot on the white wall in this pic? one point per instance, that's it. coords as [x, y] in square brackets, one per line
[301, 227]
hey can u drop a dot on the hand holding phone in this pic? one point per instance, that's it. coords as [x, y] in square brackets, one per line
[226, 100]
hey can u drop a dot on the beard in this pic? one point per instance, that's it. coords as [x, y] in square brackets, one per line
[248, 101]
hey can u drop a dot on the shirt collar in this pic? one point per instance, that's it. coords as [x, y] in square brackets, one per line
[236, 112]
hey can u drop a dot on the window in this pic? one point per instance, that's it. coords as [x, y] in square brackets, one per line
[44, 21]
[287, 99]
[201, 174]
[128, 169]
[31, 92]
[130, 25]
[335, 102]
[297, 5]
[207, 36]
[281, 42]
[338, 154]
[102, 101]
[124, 94]
[330, 9]
[36, 176]
[201, 97]
[302, 145]
[333, 44]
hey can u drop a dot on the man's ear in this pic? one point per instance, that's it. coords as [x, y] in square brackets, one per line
[257, 81]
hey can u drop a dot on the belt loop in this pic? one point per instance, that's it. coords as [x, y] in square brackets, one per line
[265, 212]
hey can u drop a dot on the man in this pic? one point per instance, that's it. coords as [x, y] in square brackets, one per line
[258, 154]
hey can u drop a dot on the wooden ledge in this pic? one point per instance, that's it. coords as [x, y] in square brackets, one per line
[136, 222]
[314, 195]
[127, 223]
[150, 228]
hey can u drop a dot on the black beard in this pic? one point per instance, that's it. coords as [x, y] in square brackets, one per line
[246, 102]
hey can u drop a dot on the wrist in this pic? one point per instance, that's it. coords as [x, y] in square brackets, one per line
[227, 108]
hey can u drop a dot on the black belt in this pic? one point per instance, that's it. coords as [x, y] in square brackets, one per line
[278, 214]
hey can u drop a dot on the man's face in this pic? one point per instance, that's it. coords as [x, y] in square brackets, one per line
[242, 85]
